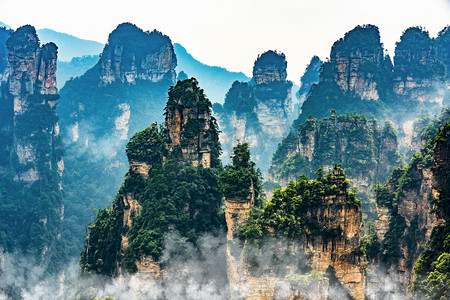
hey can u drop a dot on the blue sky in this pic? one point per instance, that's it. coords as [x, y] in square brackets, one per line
[232, 33]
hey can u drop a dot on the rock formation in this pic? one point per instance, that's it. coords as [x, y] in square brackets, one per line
[355, 78]
[359, 77]
[31, 95]
[419, 75]
[189, 124]
[331, 249]
[31, 155]
[154, 60]
[367, 151]
[188, 142]
[310, 77]
[257, 112]
[405, 219]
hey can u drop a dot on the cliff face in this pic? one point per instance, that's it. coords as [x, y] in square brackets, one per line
[31, 89]
[4, 65]
[31, 159]
[332, 253]
[172, 180]
[153, 61]
[367, 151]
[419, 75]
[405, 222]
[355, 58]
[190, 126]
[257, 112]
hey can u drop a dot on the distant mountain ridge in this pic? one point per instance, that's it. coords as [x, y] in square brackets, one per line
[214, 80]
[69, 46]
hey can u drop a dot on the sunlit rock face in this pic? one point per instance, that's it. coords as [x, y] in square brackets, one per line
[148, 56]
[262, 280]
[30, 94]
[352, 56]
[257, 112]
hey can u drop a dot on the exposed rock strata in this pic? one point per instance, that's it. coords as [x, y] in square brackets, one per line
[339, 253]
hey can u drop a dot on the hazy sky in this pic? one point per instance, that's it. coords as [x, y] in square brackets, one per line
[232, 33]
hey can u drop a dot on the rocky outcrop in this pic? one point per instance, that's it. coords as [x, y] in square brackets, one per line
[189, 124]
[339, 253]
[350, 58]
[367, 151]
[418, 74]
[31, 94]
[257, 112]
[153, 61]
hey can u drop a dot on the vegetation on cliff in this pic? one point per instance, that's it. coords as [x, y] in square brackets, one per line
[432, 270]
[31, 200]
[403, 182]
[97, 119]
[288, 214]
[241, 179]
[366, 151]
[176, 197]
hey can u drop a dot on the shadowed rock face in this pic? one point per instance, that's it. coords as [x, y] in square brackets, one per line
[4, 65]
[419, 74]
[153, 60]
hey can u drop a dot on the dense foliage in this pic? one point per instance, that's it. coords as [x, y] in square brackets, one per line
[351, 139]
[97, 120]
[432, 270]
[287, 214]
[241, 179]
[176, 197]
[403, 181]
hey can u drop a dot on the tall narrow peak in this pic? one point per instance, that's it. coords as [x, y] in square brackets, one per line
[257, 112]
[104, 107]
[132, 54]
[33, 93]
[190, 125]
[418, 73]
[31, 160]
